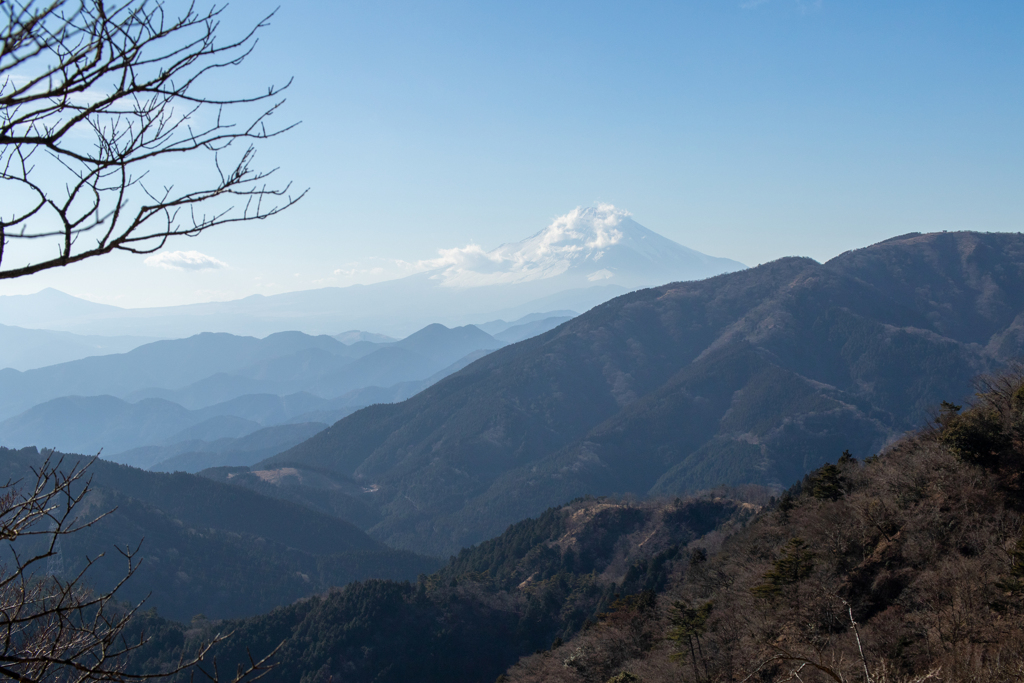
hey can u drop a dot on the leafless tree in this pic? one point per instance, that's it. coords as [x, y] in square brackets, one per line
[96, 100]
[55, 628]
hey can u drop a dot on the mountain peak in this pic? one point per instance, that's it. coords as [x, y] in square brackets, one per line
[585, 245]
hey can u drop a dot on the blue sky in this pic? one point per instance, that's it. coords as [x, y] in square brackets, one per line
[751, 130]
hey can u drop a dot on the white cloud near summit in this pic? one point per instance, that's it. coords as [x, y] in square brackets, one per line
[596, 245]
[184, 260]
[581, 233]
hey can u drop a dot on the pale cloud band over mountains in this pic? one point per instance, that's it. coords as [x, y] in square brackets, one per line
[579, 235]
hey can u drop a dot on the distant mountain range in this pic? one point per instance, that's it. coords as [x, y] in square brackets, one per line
[582, 259]
[755, 376]
[219, 399]
[23, 349]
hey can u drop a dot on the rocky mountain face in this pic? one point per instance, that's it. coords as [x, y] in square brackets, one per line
[755, 376]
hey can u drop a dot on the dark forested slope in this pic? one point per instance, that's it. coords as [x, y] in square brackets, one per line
[748, 377]
[540, 582]
[905, 567]
[207, 547]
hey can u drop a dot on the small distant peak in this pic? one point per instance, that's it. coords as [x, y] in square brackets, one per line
[212, 335]
[288, 334]
[433, 329]
[51, 293]
[355, 336]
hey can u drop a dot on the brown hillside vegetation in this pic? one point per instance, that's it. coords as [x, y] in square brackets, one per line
[906, 567]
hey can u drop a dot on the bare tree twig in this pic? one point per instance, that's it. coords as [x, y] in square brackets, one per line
[94, 97]
[56, 628]
[860, 646]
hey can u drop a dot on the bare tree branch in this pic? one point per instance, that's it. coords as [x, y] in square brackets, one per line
[54, 628]
[94, 96]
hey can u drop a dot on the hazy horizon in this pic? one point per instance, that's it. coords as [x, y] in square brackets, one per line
[455, 266]
[746, 130]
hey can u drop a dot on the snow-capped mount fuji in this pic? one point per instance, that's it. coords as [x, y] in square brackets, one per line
[599, 244]
[581, 259]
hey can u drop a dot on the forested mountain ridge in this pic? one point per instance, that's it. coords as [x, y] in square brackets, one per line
[907, 566]
[206, 547]
[744, 377]
[542, 580]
